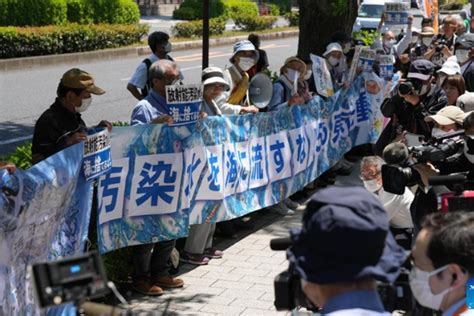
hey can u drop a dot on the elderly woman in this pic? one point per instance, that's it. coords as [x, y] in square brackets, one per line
[198, 249]
[285, 89]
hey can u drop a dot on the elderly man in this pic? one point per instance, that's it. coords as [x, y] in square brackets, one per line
[389, 42]
[443, 262]
[61, 125]
[345, 246]
[150, 260]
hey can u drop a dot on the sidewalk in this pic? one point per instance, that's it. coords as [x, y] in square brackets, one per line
[241, 283]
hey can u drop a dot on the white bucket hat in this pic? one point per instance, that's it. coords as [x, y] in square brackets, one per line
[212, 75]
[332, 47]
[450, 67]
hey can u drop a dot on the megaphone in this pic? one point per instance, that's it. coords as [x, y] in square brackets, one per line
[260, 90]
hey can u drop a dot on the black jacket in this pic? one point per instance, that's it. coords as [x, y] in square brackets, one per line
[468, 76]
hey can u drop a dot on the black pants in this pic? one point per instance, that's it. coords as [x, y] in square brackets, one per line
[151, 260]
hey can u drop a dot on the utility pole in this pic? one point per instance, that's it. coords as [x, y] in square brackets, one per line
[205, 34]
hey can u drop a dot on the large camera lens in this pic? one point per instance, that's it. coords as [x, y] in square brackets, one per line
[405, 87]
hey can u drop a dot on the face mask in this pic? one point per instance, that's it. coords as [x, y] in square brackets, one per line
[333, 61]
[420, 287]
[469, 149]
[425, 89]
[389, 44]
[372, 185]
[85, 103]
[346, 48]
[438, 132]
[414, 39]
[308, 74]
[245, 63]
[168, 47]
[462, 55]
[426, 41]
[291, 74]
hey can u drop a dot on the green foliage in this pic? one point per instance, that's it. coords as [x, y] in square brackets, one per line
[56, 12]
[453, 5]
[273, 75]
[47, 40]
[252, 23]
[194, 28]
[274, 9]
[293, 18]
[120, 123]
[238, 8]
[368, 37]
[283, 5]
[192, 9]
[21, 157]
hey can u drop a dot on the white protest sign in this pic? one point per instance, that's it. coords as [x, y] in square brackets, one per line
[386, 66]
[396, 12]
[184, 102]
[322, 76]
[366, 59]
[355, 63]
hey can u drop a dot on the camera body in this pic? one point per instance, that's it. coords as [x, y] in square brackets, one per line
[440, 44]
[409, 85]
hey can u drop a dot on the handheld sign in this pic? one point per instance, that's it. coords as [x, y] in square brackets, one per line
[184, 102]
[322, 77]
[366, 59]
[396, 12]
[97, 160]
[355, 64]
[386, 66]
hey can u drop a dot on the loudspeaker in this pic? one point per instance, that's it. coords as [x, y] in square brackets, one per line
[260, 90]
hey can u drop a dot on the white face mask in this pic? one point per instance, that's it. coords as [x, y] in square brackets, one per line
[333, 61]
[245, 63]
[438, 132]
[308, 74]
[291, 74]
[85, 103]
[372, 185]
[389, 44]
[168, 47]
[425, 89]
[462, 55]
[420, 287]
[414, 39]
[346, 48]
[469, 157]
[426, 41]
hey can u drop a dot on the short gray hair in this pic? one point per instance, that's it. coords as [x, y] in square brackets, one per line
[373, 161]
[159, 68]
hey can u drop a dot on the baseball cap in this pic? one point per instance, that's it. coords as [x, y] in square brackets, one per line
[332, 47]
[244, 45]
[212, 75]
[427, 31]
[421, 69]
[79, 79]
[448, 115]
[466, 40]
[466, 102]
[345, 237]
[450, 67]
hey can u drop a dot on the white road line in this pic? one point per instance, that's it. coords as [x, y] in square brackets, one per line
[15, 140]
[182, 69]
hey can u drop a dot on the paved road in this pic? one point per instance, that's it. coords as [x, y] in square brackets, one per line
[25, 94]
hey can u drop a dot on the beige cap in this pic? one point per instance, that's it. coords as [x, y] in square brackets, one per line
[79, 79]
[448, 115]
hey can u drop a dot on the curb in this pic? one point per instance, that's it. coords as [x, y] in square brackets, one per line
[112, 53]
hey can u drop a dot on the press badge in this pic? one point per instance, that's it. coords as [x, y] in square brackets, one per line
[470, 293]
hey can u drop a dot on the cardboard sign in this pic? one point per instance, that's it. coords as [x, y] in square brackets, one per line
[322, 76]
[184, 102]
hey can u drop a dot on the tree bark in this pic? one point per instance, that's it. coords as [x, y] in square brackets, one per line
[318, 22]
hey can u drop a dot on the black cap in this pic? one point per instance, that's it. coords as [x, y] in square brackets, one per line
[466, 40]
[421, 69]
[345, 237]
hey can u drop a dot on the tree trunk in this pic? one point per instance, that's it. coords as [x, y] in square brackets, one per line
[319, 19]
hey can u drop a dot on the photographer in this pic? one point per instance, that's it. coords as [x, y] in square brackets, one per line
[443, 44]
[343, 247]
[416, 98]
[443, 262]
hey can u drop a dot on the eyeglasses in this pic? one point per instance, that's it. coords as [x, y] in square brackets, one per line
[172, 80]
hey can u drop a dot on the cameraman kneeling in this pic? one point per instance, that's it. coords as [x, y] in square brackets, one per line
[345, 246]
[443, 262]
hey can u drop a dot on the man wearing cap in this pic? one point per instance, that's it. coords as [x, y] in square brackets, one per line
[160, 48]
[465, 56]
[448, 120]
[409, 108]
[150, 260]
[61, 125]
[235, 100]
[424, 43]
[344, 246]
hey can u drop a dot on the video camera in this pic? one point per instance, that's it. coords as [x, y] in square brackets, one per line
[396, 177]
[288, 292]
[409, 85]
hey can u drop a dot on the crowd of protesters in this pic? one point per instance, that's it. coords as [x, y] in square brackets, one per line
[436, 66]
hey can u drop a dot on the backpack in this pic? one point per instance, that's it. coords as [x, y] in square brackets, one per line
[147, 86]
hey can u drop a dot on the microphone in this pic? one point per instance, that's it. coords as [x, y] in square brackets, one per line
[395, 153]
[447, 180]
[280, 243]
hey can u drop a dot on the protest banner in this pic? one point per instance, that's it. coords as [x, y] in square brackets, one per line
[96, 153]
[396, 12]
[184, 102]
[322, 77]
[366, 59]
[386, 66]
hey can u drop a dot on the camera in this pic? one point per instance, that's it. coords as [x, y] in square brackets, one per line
[396, 177]
[458, 200]
[288, 292]
[440, 44]
[406, 87]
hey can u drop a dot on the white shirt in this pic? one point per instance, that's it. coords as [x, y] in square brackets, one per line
[140, 76]
[397, 207]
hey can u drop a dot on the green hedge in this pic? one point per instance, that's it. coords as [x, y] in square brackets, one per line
[237, 8]
[251, 23]
[293, 18]
[56, 12]
[194, 28]
[47, 40]
[283, 5]
[192, 9]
